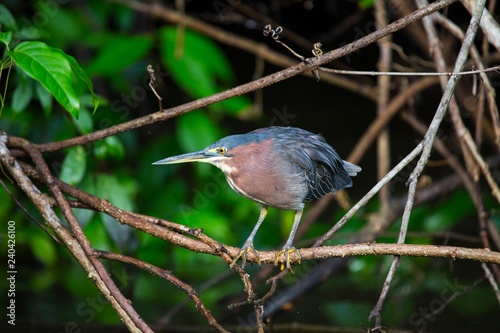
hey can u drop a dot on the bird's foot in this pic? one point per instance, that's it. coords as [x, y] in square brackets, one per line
[286, 252]
[245, 249]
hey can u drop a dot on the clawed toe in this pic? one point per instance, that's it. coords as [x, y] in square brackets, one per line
[243, 255]
[286, 252]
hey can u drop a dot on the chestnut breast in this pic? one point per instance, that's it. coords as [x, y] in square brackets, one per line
[259, 172]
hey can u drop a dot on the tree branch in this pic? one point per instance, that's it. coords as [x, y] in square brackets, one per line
[251, 86]
[92, 266]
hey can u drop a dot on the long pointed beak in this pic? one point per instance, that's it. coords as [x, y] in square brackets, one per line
[197, 156]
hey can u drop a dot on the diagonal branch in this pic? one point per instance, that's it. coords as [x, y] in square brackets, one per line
[155, 270]
[428, 144]
[251, 86]
[90, 264]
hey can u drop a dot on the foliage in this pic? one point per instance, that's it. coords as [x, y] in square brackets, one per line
[104, 52]
[51, 67]
[108, 168]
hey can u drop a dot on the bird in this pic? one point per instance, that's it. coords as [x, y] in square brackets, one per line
[280, 167]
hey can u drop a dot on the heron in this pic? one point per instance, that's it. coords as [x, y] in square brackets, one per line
[281, 167]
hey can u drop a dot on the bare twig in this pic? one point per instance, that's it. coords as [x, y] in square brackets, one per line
[167, 318]
[26, 212]
[428, 144]
[491, 280]
[245, 88]
[383, 119]
[418, 250]
[387, 178]
[495, 191]
[152, 82]
[384, 89]
[164, 274]
[275, 35]
[93, 268]
[226, 37]
[426, 74]
[490, 91]
[489, 25]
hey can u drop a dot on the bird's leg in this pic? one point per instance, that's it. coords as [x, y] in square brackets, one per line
[248, 246]
[288, 248]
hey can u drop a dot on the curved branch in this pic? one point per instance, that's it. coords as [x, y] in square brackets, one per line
[155, 270]
[309, 65]
[258, 49]
[95, 270]
[413, 250]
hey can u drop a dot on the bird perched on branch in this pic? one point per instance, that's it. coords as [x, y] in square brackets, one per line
[279, 167]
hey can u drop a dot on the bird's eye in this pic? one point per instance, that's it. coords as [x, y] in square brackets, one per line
[221, 150]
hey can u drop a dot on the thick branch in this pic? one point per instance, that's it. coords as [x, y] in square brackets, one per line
[105, 285]
[167, 275]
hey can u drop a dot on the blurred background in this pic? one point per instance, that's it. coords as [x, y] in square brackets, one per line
[114, 42]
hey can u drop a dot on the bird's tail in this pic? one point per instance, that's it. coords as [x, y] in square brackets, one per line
[352, 169]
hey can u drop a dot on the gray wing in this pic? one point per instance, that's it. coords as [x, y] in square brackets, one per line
[324, 169]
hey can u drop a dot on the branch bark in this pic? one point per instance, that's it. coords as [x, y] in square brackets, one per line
[251, 86]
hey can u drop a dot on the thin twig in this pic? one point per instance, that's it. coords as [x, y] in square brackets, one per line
[384, 89]
[390, 175]
[495, 191]
[461, 131]
[104, 284]
[152, 81]
[428, 144]
[26, 212]
[167, 275]
[245, 88]
[163, 12]
[491, 280]
[495, 69]
[451, 160]
[275, 35]
[172, 313]
[383, 119]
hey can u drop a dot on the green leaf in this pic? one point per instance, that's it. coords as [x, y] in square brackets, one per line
[109, 147]
[365, 4]
[120, 192]
[238, 105]
[43, 249]
[5, 37]
[85, 123]
[457, 207]
[74, 166]
[81, 74]
[202, 69]
[347, 313]
[119, 52]
[6, 19]
[84, 216]
[47, 65]
[43, 280]
[97, 235]
[196, 130]
[44, 97]
[23, 93]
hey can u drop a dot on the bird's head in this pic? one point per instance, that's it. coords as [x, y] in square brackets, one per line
[219, 153]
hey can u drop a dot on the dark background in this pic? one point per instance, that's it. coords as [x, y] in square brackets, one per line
[52, 290]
